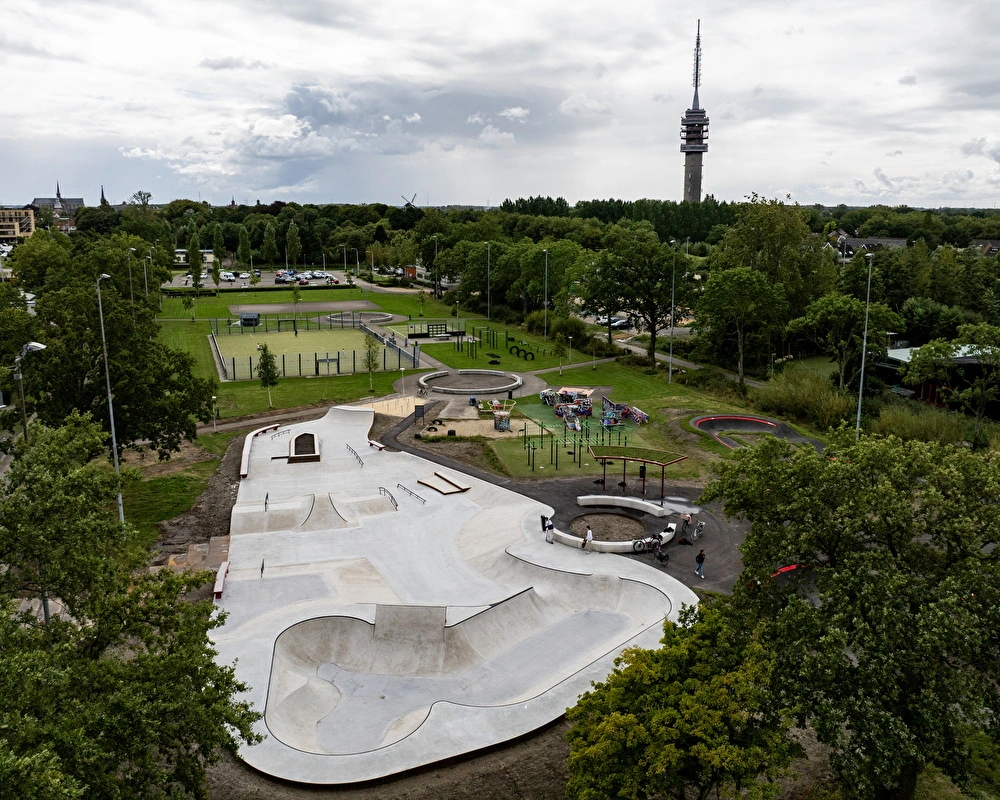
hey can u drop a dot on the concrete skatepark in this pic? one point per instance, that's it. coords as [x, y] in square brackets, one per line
[388, 613]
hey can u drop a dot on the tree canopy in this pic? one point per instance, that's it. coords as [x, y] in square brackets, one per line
[119, 695]
[887, 646]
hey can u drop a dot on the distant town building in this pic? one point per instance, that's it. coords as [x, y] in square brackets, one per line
[16, 222]
[63, 209]
[694, 134]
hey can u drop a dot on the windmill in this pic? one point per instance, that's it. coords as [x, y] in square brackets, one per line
[409, 203]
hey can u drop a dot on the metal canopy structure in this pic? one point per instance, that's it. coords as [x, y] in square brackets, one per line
[658, 458]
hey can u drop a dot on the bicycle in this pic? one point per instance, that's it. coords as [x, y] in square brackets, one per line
[697, 532]
[656, 543]
[422, 392]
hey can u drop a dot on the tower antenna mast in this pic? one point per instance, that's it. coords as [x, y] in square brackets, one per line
[694, 133]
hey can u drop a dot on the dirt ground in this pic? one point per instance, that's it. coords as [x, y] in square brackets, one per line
[532, 768]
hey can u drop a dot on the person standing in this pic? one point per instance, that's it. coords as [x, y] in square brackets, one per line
[700, 560]
[587, 538]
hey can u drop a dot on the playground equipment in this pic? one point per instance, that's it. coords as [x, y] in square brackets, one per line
[615, 413]
[501, 413]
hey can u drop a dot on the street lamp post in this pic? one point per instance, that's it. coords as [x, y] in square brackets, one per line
[545, 300]
[344, 246]
[437, 280]
[30, 347]
[357, 261]
[111, 407]
[570, 360]
[489, 299]
[864, 346]
[131, 295]
[673, 312]
[215, 413]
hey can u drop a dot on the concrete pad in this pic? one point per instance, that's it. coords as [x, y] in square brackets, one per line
[380, 637]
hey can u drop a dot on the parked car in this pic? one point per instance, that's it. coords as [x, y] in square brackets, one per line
[622, 324]
[283, 279]
[244, 276]
[331, 280]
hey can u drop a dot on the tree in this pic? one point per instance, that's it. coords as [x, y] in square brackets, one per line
[645, 279]
[887, 645]
[32, 259]
[695, 716]
[243, 251]
[968, 367]
[600, 279]
[741, 305]
[218, 244]
[835, 324]
[120, 695]
[269, 249]
[293, 245]
[55, 532]
[158, 400]
[267, 370]
[773, 238]
[372, 347]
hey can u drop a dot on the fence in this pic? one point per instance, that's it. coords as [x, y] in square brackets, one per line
[302, 365]
[283, 322]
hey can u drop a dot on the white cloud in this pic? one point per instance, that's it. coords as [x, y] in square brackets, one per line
[494, 137]
[253, 102]
[515, 113]
[581, 105]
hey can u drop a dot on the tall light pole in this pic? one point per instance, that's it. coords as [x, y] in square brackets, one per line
[489, 299]
[30, 347]
[570, 350]
[215, 413]
[673, 312]
[344, 246]
[864, 346]
[111, 407]
[131, 295]
[545, 300]
[437, 281]
[357, 261]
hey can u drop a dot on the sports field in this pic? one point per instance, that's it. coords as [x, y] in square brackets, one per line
[242, 344]
[340, 351]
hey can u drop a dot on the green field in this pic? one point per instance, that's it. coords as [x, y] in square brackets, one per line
[240, 345]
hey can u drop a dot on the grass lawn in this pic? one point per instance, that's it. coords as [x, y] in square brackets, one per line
[288, 343]
[163, 497]
[669, 406]
[489, 349]
[822, 365]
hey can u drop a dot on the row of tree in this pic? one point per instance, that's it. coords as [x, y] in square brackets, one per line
[158, 401]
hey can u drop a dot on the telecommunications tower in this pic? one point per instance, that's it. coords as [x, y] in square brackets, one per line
[694, 133]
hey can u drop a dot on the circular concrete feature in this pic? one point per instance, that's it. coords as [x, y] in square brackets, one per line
[471, 381]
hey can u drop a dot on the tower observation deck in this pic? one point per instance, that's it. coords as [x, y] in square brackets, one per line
[694, 133]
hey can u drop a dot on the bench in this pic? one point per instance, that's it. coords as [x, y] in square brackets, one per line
[220, 580]
[622, 502]
[376, 445]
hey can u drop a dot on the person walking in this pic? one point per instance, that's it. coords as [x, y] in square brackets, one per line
[587, 538]
[700, 560]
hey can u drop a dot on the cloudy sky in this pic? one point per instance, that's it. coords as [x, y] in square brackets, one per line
[466, 102]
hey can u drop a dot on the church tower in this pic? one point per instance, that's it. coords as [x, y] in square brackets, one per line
[694, 134]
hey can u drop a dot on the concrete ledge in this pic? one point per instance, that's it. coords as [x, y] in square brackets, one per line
[595, 545]
[248, 446]
[634, 503]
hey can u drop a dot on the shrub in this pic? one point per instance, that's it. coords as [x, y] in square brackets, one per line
[804, 396]
[909, 420]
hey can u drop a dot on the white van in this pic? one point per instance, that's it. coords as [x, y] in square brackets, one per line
[227, 276]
